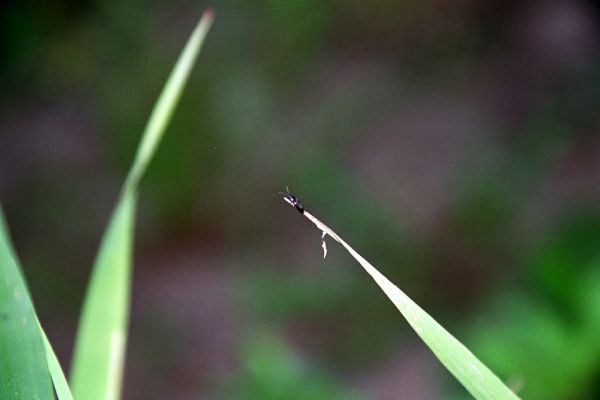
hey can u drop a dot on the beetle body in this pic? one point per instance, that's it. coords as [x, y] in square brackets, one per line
[294, 202]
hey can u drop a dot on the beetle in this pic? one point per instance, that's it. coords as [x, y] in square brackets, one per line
[294, 202]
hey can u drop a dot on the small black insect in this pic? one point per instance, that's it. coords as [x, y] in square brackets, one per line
[294, 202]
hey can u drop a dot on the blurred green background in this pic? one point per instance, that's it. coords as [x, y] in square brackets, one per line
[454, 144]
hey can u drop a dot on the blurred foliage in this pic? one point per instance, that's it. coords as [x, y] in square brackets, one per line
[273, 371]
[548, 331]
[453, 144]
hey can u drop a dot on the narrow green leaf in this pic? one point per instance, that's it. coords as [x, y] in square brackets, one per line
[165, 105]
[58, 376]
[100, 345]
[470, 372]
[23, 370]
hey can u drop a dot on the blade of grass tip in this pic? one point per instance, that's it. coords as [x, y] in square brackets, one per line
[56, 372]
[23, 370]
[100, 344]
[58, 376]
[478, 379]
[165, 105]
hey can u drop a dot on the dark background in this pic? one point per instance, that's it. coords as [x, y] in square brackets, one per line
[454, 144]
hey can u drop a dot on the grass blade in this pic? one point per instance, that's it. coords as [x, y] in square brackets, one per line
[23, 370]
[165, 105]
[100, 345]
[470, 372]
[58, 376]
[61, 387]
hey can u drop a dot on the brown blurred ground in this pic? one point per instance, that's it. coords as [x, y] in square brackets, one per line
[454, 144]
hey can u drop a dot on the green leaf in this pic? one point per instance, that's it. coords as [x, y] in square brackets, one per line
[9, 261]
[100, 345]
[58, 376]
[470, 372]
[23, 370]
[165, 105]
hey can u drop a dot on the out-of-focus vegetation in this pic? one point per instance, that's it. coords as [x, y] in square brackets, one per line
[99, 351]
[455, 145]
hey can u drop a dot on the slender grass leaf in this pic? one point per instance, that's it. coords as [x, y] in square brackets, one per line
[23, 369]
[100, 344]
[58, 376]
[165, 105]
[468, 369]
